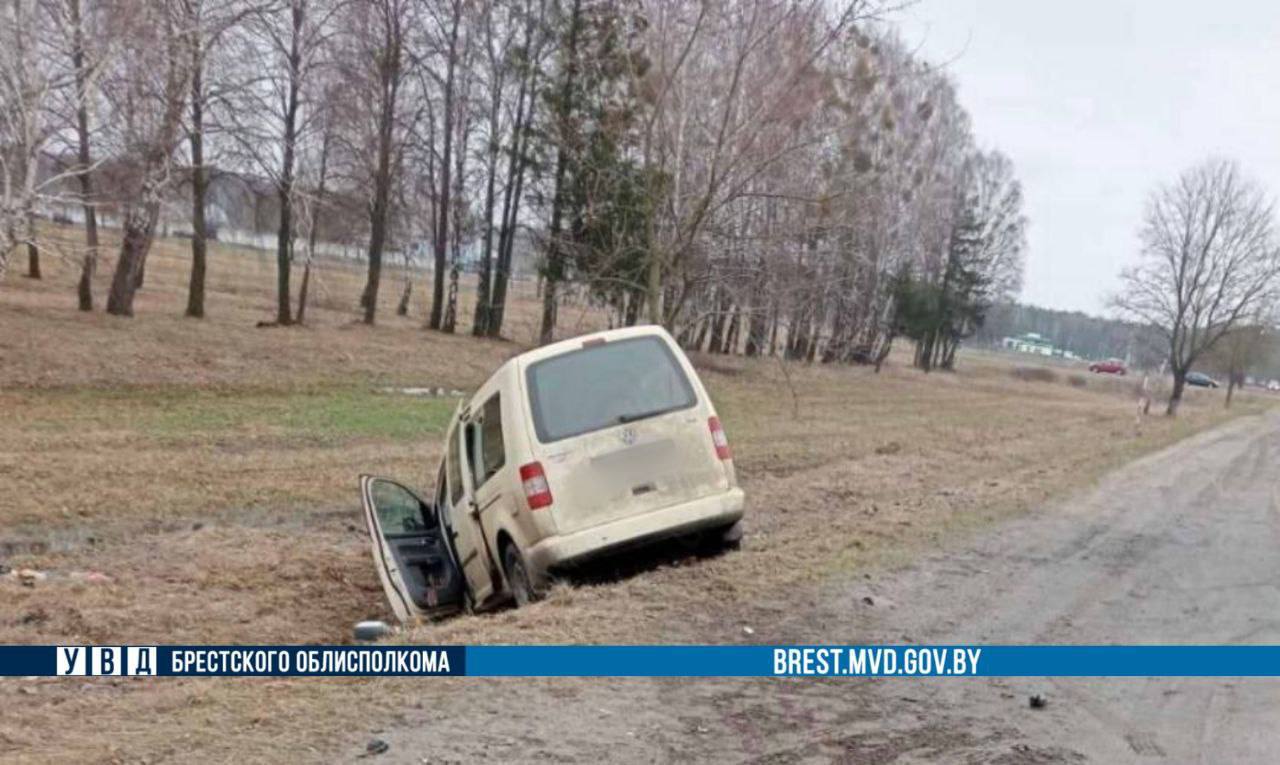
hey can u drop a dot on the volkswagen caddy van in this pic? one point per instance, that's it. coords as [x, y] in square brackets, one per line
[567, 453]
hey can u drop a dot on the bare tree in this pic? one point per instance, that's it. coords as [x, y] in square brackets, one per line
[450, 42]
[725, 81]
[148, 89]
[85, 63]
[526, 65]
[1247, 348]
[565, 135]
[1209, 259]
[313, 206]
[377, 66]
[498, 34]
[272, 111]
[206, 23]
[26, 86]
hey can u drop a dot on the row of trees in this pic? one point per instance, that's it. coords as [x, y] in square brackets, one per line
[1085, 335]
[761, 176]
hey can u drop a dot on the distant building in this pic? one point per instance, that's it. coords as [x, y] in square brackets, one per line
[1035, 344]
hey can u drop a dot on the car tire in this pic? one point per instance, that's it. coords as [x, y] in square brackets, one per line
[523, 587]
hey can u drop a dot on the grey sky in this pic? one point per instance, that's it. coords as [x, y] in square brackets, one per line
[1096, 102]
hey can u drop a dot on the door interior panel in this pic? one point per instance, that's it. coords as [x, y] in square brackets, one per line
[427, 568]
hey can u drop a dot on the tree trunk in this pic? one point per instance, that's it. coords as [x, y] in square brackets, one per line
[449, 322]
[89, 265]
[1235, 379]
[402, 308]
[1175, 398]
[284, 235]
[301, 316]
[700, 338]
[284, 253]
[480, 321]
[757, 329]
[33, 249]
[653, 287]
[314, 230]
[389, 74]
[735, 324]
[199, 189]
[446, 164]
[773, 331]
[511, 212]
[884, 352]
[377, 236]
[717, 323]
[139, 227]
[632, 312]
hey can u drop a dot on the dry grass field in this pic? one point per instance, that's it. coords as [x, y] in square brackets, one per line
[182, 481]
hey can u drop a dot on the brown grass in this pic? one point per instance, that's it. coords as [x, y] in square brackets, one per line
[1034, 374]
[208, 468]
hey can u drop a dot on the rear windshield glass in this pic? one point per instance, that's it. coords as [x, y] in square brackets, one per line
[609, 384]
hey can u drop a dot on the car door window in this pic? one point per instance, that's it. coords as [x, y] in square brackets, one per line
[399, 511]
[489, 449]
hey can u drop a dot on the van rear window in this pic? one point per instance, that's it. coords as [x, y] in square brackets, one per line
[608, 384]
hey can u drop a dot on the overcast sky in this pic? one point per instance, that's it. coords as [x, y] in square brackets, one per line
[1097, 102]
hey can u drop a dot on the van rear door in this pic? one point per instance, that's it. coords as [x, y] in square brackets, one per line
[621, 429]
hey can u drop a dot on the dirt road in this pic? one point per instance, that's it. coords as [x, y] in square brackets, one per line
[1179, 547]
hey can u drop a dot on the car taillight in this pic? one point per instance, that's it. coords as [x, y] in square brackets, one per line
[536, 489]
[719, 439]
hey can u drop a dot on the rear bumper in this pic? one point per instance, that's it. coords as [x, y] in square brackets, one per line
[677, 520]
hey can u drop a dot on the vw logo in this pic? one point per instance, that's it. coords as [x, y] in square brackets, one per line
[628, 436]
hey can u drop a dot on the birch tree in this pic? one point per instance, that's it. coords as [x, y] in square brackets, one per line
[26, 88]
[147, 88]
[86, 49]
[378, 65]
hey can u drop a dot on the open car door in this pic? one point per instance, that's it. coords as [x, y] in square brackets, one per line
[413, 558]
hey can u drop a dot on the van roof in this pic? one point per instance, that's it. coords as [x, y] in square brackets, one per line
[574, 343]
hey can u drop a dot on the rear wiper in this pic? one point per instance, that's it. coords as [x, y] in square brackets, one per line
[625, 418]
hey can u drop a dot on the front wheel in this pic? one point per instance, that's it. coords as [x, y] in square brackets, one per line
[519, 582]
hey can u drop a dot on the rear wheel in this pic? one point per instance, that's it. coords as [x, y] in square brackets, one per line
[521, 584]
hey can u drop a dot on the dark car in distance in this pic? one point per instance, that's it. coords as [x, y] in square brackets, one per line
[1201, 380]
[1109, 366]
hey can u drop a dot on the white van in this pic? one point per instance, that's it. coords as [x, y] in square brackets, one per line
[567, 453]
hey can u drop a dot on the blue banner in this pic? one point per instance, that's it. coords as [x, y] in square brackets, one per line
[645, 661]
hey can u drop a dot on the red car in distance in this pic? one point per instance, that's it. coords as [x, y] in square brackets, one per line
[1110, 367]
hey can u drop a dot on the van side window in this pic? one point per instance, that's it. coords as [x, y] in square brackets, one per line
[490, 453]
[455, 470]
